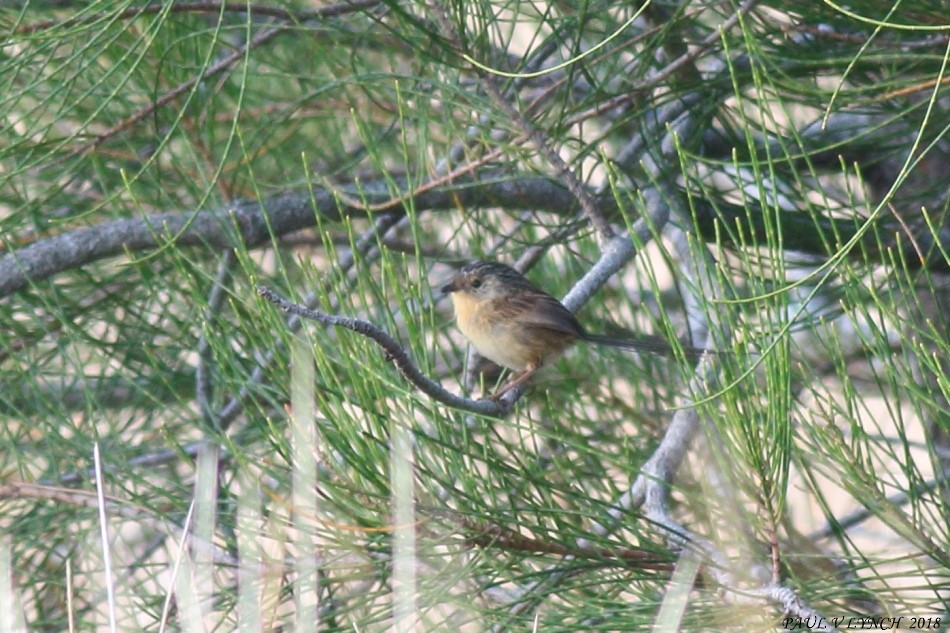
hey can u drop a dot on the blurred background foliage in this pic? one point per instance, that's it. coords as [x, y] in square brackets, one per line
[158, 161]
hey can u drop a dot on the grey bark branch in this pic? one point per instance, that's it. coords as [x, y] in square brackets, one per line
[364, 248]
[397, 354]
[256, 223]
[252, 223]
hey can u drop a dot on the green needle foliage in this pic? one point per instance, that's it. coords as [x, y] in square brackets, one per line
[782, 174]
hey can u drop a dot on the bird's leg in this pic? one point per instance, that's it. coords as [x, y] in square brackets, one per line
[517, 379]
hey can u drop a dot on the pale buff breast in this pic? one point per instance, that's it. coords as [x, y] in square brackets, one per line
[497, 341]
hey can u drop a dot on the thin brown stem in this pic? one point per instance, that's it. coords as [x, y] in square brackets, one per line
[279, 13]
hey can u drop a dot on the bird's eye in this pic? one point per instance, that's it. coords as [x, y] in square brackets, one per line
[476, 283]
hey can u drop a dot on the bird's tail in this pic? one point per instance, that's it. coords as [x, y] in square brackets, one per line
[646, 343]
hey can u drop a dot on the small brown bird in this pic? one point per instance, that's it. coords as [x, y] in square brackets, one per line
[513, 323]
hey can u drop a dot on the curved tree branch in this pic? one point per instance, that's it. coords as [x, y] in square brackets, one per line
[255, 223]
[398, 355]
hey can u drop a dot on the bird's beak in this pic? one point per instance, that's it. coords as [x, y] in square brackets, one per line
[450, 287]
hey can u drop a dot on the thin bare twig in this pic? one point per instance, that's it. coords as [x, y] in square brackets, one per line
[494, 535]
[863, 514]
[149, 460]
[394, 352]
[363, 247]
[287, 15]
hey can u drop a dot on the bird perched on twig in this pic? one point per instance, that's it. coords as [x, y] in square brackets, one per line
[515, 324]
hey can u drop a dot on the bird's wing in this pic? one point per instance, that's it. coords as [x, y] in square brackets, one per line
[544, 311]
